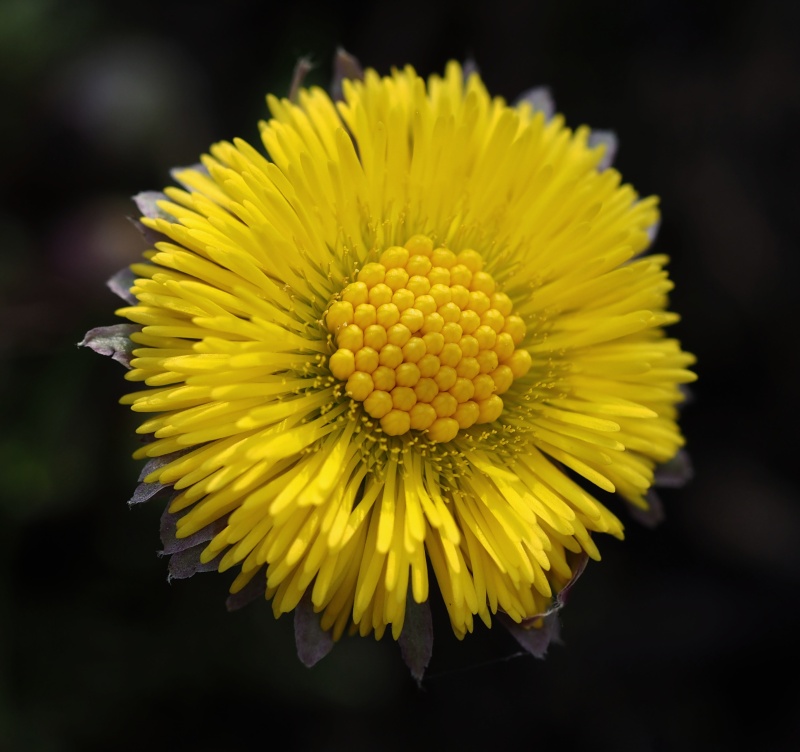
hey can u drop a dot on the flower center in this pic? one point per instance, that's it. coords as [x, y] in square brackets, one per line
[426, 341]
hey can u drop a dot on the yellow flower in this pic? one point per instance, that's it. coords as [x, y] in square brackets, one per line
[405, 342]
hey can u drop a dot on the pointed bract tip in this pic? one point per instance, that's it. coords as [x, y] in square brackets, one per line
[345, 66]
[302, 68]
[469, 67]
[416, 639]
[147, 203]
[313, 642]
[112, 341]
[540, 98]
[187, 563]
[653, 515]
[535, 640]
[675, 473]
[537, 632]
[252, 591]
[609, 140]
[121, 283]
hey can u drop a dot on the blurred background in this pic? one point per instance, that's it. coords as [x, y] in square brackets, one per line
[683, 638]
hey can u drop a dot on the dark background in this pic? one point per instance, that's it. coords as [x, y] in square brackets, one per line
[683, 638]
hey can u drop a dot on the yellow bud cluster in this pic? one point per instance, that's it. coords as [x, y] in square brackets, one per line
[426, 341]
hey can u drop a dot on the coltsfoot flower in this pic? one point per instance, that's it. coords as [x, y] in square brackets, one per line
[401, 346]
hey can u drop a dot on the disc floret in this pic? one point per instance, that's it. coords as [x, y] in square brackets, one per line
[426, 341]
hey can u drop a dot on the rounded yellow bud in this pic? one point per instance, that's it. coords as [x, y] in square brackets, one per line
[504, 347]
[394, 257]
[459, 295]
[403, 299]
[451, 332]
[487, 359]
[407, 374]
[463, 389]
[443, 257]
[443, 429]
[388, 315]
[503, 378]
[519, 363]
[434, 342]
[364, 315]
[484, 387]
[428, 365]
[367, 360]
[342, 364]
[493, 319]
[426, 390]
[490, 409]
[375, 337]
[486, 337]
[420, 245]
[372, 274]
[426, 304]
[460, 275]
[450, 355]
[396, 422]
[339, 314]
[403, 397]
[418, 265]
[483, 282]
[515, 326]
[359, 386]
[501, 302]
[471, 259]
[413, 319]
[380, 294]
[445, 378]
[422, 416]
[441, 294]
[396, 278]
[356, 293]
[384, 378]
[469, 321]
[451, 313]
[468, 368]
[478, 302]
[391, 356]
[351, 337]
[419, 285]
[467, 414]
[433, 323]
[414, 350]
[469, 346]
[445, 404]
[378, 404]
[398, 334]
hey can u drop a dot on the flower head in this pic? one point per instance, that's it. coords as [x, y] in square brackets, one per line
[406, 341]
